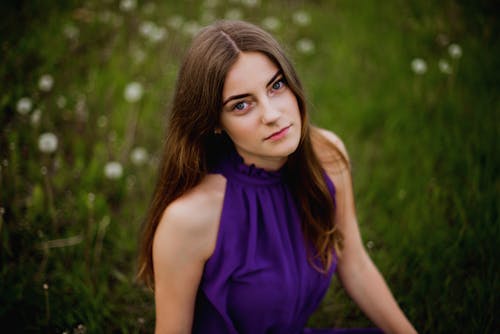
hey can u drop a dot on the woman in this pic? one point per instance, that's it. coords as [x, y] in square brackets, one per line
[253, 209]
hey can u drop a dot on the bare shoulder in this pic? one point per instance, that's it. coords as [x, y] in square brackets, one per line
[330, 150]
[193, 219]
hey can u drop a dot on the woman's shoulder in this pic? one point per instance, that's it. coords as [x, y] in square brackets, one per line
[329, 149]
[194, 217]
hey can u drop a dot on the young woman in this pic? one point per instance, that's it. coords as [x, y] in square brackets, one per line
[253, 210]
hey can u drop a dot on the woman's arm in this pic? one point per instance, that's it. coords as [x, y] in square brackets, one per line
[359, 276]
[184, 240]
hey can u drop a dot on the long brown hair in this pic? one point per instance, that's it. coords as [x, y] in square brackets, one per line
[191, 146]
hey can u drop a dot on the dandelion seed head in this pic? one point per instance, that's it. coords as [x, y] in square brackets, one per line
[234, 14]
[90, 198]
[139, 156]
[128, 5]
[45, 83]
[36, 116]
[102, 121]
[455, 51]
[140, 320]
[418, 66]
[24, 105]
[133, 92]
[43, 170]
[271, 23]
[138, 55]
[152, 32]
[250, 3]
[191, 28]
[301, 18]
[45, 286]
[47, 142]
[305, 45]
[113, 170]
[146, 28]
[2, 210]
[80, 329]
[175, 22]
[370, 244]
[5, 162]
[444, 67]
[71, 31]
[61, 102]
[158, 34]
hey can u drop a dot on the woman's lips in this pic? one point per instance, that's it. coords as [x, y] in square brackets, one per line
[278, 134]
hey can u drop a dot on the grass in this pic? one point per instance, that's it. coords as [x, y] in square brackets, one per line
[423, 148]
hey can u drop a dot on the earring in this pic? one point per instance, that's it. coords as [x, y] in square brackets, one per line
[217, 131]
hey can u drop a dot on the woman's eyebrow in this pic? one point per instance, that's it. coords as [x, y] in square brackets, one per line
[235, 97]
[277, 74]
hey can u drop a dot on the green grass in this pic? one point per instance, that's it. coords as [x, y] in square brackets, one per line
[424, 150]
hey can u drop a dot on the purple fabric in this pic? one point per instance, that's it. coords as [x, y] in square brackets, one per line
[258, 280]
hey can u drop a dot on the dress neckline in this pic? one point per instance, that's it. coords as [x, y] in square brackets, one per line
[235, 166]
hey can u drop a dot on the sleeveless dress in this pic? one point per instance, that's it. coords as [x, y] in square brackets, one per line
[259, 278]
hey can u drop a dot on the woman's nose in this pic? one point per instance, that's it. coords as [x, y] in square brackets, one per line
[270, 112]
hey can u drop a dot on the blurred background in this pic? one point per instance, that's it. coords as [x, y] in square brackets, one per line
[412, 87]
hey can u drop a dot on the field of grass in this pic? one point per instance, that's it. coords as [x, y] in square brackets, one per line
[412, 87]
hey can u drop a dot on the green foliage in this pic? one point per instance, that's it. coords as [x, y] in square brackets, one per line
[423, 148]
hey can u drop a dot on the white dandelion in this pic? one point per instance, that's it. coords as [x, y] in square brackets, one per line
[152, 32]
[418, 66]
[90, 199]
[113, 170]
[191, 28]
[71, 31]
[305, 45]
[175, 22]
[36, 116]
[146, 28]
[158, 34]
[138, 55]
[139, 156]
[61, 102]
[234, 14]
[24, 105]
[301, 18]
[271, 23]
[455, 51]
[47, 142]
[102, 121]
[45, 83]
[444, 66]
[250, 3]
[133, 92]
[128, 5]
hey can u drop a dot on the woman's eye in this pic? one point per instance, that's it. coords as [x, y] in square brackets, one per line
[278, 84]
[240, 106]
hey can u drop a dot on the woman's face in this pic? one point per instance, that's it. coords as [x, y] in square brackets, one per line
[260, 112]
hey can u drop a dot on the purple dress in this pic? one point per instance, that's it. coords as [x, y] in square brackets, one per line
[258, 280]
